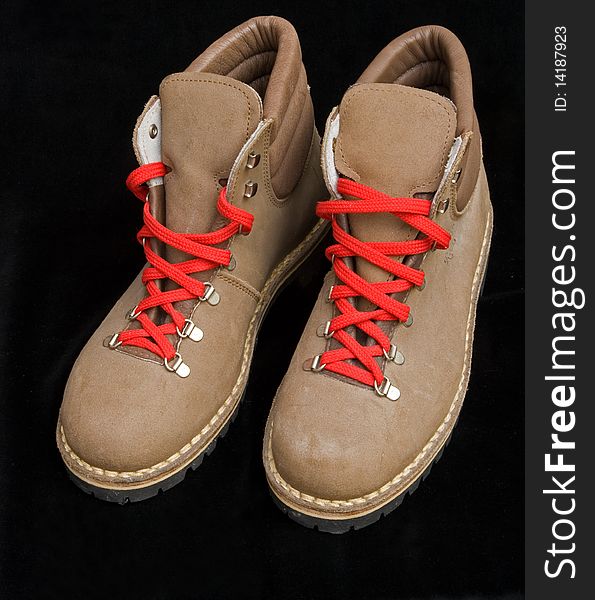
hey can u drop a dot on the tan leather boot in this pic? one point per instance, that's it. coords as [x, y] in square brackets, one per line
[229, 177]
[377, 381]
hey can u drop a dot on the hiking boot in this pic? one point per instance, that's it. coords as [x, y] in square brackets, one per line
[229, 175]
[376, 384]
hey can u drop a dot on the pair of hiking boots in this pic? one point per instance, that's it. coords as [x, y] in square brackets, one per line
[232, 178]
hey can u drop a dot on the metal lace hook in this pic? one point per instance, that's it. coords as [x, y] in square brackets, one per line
[177, 366]
[387, 389]
[191, 331]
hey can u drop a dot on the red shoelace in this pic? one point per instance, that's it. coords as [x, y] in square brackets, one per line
[412, 211]
[150, 336]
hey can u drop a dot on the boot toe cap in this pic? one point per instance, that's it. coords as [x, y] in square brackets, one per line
[125, 415]
[333, 443]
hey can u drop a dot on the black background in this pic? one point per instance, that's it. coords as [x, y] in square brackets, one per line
[73, 79]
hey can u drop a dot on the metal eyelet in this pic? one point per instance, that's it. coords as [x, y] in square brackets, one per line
[456, 176]
[178, 366]
[394, 355]
[316, 366]
[387, 389]
[253, 160]
[232, 263]
[153, 131]
[190, 330]
[443, 206]
[422, 286]
[114, 343]
[210, 295]
[250, 189]
[409, 321]
[330, 293]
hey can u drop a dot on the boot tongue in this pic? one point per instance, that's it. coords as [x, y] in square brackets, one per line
[206, 119]
[395, 139]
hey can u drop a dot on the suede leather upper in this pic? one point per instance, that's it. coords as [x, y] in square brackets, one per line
[373, 118]
[433, 58]
[333, 447]
[265, 53]
[126, 420]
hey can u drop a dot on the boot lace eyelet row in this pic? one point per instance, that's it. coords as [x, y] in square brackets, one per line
[352, 359]
[204, 256]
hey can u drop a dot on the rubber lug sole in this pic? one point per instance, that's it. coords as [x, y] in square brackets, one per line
[344, 525]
